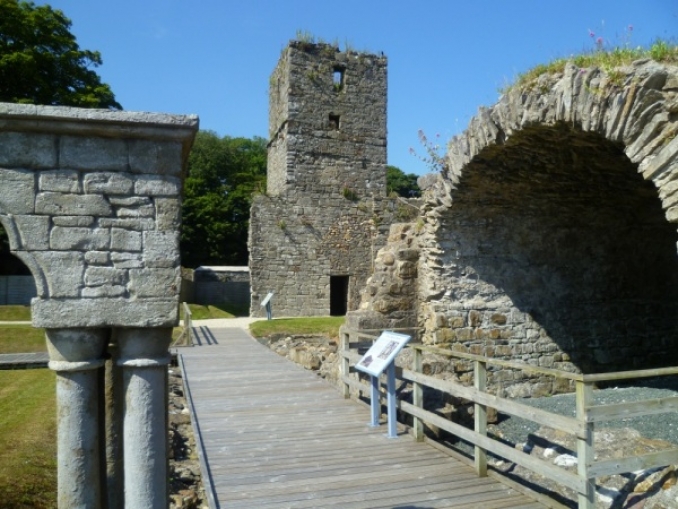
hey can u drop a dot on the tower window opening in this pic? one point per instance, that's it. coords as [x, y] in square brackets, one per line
[338, 78]
[334, 121]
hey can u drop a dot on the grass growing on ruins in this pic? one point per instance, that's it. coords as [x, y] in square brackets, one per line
[27, 439]
[661, 51]
[15, 313]
[21, 339]
[325, 325]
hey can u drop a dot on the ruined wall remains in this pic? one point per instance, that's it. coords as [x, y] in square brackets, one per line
[550, 238]
[323, 217]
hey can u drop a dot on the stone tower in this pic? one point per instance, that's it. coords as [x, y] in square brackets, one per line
[314, 235]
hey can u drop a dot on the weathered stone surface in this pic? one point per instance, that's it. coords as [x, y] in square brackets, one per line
[126, 260]
[17, 193]
[92, 153]
[108, 183]
[65, 238]
[155, 157]
[34, 232]
[125, 240]
[168, 213]
[68, 204]
[64, 181]
[97, 276]
[156, 282]
[73, 220]
[97, 257]
[161, 249]
[53, 312]
[64, 270]
[151, 185]
[27, 150]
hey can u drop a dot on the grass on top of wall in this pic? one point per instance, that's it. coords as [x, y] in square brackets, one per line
[324, 325]
[607, 59]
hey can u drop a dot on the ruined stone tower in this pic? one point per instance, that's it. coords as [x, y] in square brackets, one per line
[314, 235]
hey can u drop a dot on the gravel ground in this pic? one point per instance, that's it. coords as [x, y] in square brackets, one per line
[661, 426]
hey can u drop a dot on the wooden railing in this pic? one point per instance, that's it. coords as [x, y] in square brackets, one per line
[186, 337]
[581, 426]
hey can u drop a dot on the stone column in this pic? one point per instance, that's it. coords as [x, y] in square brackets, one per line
[144, 358]
[76, 354]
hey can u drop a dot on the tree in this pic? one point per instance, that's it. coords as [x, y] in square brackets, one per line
[401, 183]
[41, 62]
[223, 175]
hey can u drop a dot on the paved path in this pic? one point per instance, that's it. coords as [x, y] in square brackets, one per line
[23, 360]
[276, 436]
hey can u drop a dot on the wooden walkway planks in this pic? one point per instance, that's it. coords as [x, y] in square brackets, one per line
[277, 436]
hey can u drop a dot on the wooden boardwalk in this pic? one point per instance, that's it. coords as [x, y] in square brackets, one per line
[276, 436]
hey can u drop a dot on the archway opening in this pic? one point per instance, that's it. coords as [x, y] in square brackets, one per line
[561, 255]
[338, 295]
[17, 286]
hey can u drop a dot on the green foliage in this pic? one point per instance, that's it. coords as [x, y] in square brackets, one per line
[326, 325]
[349, 194]
[397, 181]
[41, 62]
[223, 175]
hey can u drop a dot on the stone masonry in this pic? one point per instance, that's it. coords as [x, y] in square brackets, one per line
[90, 200]
[551, 236]
[314, 235]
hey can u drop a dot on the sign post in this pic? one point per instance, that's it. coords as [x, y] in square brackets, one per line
[380, 357]
[267, 304]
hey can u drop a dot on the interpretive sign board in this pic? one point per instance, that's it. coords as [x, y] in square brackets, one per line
[382, 353]
[267, 299]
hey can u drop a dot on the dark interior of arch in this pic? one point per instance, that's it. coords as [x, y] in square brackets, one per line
[10, 265]
[557, 227]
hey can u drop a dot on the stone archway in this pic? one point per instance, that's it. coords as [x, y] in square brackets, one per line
[552, 224]
[550, 238]
[90, 200]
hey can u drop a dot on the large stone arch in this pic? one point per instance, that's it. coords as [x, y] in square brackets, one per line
[552, 235]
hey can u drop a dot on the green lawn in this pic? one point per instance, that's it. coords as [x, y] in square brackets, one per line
[326, 325]
[15, 313]
[27, 439]
[21, 339]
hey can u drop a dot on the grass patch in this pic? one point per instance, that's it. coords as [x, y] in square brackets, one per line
[28, 439]
[660, 50]
[15, 313]
[200, 312]
[21, 339]
[326, 325]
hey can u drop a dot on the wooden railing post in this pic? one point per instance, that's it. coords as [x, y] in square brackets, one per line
[480, 417]
[585, 448]
[417, 397]
[344, 367]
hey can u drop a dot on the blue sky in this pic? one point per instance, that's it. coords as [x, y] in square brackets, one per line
[446, 57]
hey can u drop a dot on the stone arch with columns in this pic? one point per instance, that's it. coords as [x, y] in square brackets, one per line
[90, 200]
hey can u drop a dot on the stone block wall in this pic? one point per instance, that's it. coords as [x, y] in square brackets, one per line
[94, 211]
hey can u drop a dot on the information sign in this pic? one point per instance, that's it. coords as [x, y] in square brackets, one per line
[382, 353]
[267, 299]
